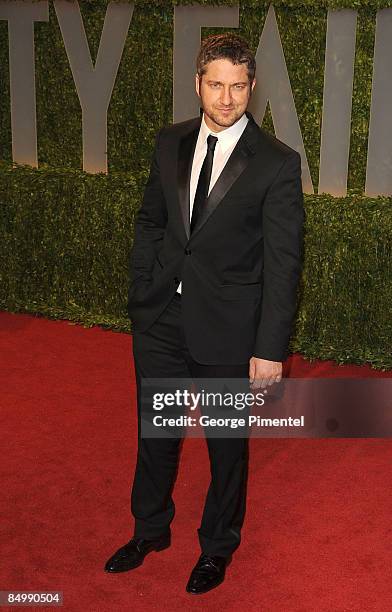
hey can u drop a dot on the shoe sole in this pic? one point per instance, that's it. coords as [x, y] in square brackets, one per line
[206, 591]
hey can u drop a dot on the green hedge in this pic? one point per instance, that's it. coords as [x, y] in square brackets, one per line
[346, 289]
[65, 238]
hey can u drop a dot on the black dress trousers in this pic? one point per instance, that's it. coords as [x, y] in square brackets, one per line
[161, 352]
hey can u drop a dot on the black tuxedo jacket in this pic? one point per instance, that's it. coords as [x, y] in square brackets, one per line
[240, 266]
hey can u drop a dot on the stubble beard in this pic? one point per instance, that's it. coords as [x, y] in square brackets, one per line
[222, 120]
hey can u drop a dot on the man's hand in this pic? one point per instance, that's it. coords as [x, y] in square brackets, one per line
[263, 372]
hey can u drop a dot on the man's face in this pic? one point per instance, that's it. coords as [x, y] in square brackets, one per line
[224, 91]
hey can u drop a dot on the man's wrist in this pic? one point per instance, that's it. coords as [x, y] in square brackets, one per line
[278, 358]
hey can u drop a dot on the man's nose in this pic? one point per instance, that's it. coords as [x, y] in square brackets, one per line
[226, 96]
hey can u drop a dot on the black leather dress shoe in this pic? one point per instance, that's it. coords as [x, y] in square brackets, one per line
[132, 554]
[207, 574]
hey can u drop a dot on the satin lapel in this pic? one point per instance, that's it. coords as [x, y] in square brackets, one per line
[186, 150]
[235, 165]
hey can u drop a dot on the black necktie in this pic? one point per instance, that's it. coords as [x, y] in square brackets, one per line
[204, 181]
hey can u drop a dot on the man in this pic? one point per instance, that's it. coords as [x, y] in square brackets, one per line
[215, 265]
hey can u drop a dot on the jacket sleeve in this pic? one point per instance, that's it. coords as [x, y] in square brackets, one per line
[283, 218]
[150, 222]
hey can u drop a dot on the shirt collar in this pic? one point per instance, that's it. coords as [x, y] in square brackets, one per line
[225, 137]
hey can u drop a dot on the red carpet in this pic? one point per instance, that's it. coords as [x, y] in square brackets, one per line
[317, 535]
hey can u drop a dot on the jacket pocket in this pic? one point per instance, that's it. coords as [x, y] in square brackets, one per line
[241, 292]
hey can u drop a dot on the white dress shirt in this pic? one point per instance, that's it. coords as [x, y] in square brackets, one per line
[227, 139]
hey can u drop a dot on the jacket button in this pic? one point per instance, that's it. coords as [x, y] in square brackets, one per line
[187, 252]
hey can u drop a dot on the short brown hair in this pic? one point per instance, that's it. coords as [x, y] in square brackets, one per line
[226, 46]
